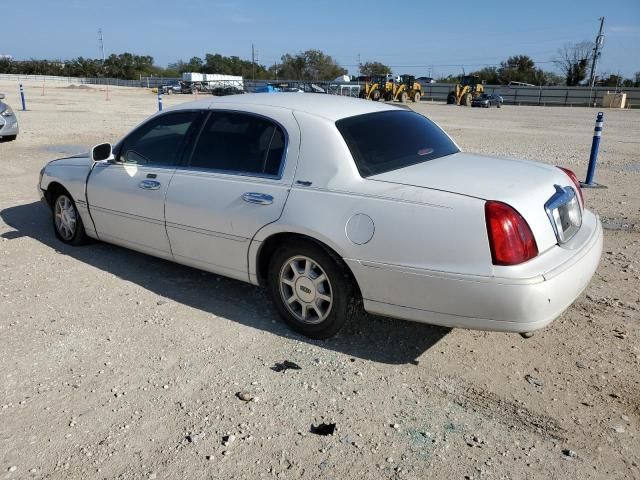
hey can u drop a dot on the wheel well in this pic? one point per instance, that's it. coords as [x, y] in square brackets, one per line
[271, 244]
[51, 191]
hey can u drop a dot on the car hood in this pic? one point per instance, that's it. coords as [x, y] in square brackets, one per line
[524, 185]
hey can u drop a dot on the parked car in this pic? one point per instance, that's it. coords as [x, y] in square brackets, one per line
[424, 81]
[328, 202]
[8, 122]
[487, 100]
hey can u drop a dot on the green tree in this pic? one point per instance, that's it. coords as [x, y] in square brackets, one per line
[520, 68]
[489, 75]
[309, 65]
[372, 69]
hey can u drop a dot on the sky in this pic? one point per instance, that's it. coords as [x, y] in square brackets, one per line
[420, 37]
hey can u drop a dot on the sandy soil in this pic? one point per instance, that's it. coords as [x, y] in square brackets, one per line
[118, 365]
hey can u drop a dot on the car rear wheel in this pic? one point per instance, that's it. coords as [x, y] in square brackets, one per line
[8, 138]
[311, 290]
[67, 223]
[451, 99]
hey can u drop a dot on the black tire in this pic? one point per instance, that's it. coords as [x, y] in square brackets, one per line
[376, 95]
[451, 99]
[498, 105]
[78, 236]
[8, 138]
[340, 289]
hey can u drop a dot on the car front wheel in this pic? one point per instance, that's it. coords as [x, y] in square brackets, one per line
[311, 290]
[67, 223]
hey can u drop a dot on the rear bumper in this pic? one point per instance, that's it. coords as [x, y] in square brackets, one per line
[516, 304]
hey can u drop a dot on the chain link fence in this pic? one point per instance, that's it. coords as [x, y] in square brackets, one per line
[512, 95]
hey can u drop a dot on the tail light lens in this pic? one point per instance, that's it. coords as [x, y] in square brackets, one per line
[575, 181]
[510, 238]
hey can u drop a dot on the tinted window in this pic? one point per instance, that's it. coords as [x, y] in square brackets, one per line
[157, 142]
[239, 143]
[384, 141]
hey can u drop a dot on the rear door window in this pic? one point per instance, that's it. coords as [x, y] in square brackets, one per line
[240, 143]
[384, 141]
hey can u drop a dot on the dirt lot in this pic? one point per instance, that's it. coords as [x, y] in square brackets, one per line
[119, 365]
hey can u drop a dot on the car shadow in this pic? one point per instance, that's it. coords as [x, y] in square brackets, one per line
[368, 337]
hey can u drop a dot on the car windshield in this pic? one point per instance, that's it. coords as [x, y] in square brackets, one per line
[384, 141]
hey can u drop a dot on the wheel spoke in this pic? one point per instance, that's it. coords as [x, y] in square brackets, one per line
[322, 296]
[319, 279]
[294, 268]
[288, 282]
[303, 313]
[307, 268]
[292, 299]
[317, 310]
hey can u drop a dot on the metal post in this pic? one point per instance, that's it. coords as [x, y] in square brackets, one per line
[159, 99]
[24, 105]
[595, 145]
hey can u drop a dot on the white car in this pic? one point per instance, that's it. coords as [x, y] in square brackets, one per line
[328, 202]
[8, 122]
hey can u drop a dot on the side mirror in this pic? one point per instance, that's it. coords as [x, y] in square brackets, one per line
[101, 152]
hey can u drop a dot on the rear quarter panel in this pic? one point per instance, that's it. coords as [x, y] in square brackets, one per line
[414, 228]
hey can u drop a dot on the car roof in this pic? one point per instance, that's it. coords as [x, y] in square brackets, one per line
[331, 107]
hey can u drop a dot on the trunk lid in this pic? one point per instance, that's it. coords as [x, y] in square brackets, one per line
[524, 185]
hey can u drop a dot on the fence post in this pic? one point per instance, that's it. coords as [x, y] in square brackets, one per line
[24, 105]
[593, 158]
[159, 99]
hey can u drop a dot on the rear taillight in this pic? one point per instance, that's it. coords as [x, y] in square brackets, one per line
[510, 238]
[575, 181]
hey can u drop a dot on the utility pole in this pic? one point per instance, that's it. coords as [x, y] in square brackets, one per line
[359, 65]
[596, 53]
[253, 62]
[101, 44]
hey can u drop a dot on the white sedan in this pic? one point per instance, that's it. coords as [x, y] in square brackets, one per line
[329, 202]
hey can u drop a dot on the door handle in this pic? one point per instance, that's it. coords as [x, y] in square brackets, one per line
[257, 198]
[149, 185]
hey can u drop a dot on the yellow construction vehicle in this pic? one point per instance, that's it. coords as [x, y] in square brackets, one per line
[465, 91]
[404, 90]
[373, 88]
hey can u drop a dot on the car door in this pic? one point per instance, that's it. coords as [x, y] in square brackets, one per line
[126, 196]
[236, 180]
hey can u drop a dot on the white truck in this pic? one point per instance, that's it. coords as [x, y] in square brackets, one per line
[214, 83]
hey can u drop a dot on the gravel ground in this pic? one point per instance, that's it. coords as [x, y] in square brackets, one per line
[119, 365]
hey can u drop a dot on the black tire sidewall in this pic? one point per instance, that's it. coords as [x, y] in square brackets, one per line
[341, 289]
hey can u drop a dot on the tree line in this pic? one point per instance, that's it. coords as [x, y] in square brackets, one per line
[572, 61]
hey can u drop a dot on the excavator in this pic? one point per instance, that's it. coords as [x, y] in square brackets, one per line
[404, 90]
[465, 91]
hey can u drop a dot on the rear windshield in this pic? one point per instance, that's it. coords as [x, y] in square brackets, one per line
[384, 141]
